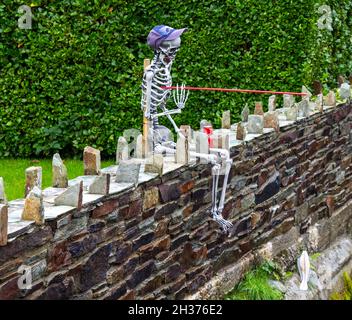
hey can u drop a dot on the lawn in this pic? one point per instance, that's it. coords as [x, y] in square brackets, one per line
[13, 172]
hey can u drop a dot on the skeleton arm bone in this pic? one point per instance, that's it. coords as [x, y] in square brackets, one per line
[148, 77]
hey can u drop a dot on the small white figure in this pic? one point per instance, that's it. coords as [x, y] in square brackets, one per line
[303, 264]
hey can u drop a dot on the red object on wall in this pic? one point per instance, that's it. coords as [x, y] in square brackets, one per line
[209, 131]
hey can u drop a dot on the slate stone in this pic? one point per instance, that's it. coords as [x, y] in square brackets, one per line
[186, 130]
[303, 108]
[330, 99]
[59, 172]
[3, 199]
[345, 91]
[255, 124]
[240, 132]
[59, 291]
[71, 197]
[182, 151]
[202, 145]
[33, 207]
[269, 189]
[128, 172]
[3, 224]
[291, 113]
[33, 178]
[141, 274]
[122, 150]
[83, 246]
[169, 192]
[272, 103]
[226, 120]
[308, 93]
[100, 185]
[271, 120]
[245, 113]
[155, 164]
[94, 270]
[91, 161]
[289, 100]
[258, 109]
[151, 198]
[139, 147]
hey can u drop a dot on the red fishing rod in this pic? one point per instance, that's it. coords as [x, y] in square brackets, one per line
[236, 90]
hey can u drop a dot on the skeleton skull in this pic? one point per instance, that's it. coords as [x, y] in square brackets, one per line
[168, 49]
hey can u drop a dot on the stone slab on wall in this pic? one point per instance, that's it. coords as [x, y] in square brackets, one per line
[158, 241]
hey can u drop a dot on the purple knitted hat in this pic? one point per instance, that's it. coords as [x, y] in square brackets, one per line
[162, 33]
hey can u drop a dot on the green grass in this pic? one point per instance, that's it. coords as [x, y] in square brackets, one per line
[13, 172]
[255, 285]
[346, 293]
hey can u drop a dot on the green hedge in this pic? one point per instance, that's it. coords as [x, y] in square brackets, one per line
[74, 78]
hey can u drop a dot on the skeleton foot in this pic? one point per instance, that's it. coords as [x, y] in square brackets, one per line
[226, 225]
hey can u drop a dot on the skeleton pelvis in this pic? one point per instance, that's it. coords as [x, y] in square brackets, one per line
[161, 134]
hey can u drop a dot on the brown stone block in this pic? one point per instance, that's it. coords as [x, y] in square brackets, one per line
[187, 211]
[9, 290]
[161, 227]
[150, 250]
[3, 224]
[169, 192]
[258, 109]
[134, 209]
[115, 275]
[151, 198]
[130, 295]
[141, 274]
[91, 161]
[187, 186]
[330, 202]
[32, 240]
[193, 255]
[58, 256]
[105, 208]
[152, 285]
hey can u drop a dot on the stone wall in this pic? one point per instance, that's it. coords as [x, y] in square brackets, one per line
[158, 241]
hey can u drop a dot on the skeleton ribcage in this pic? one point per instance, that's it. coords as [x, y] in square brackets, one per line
[161, 78]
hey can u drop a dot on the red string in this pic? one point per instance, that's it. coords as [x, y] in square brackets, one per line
[237, 90]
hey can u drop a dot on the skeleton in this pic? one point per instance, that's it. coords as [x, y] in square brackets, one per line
[154, 97]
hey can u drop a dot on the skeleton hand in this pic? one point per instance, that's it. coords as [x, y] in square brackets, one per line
[180, 96]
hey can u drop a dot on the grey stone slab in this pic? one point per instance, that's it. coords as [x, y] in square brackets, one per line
[251, 136]
[59, 171]
[255, 124]
[145, 176]
[71, 197]
[52, 192]
[100, 185]
[88, 198]
[128, 172]
[15, 215]
[19, 203]
[284, 123]
[54, 212]
[2, 192]
[121, 150]
[87, 180]
[18, 228]
[110, 170]
[119, 187]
